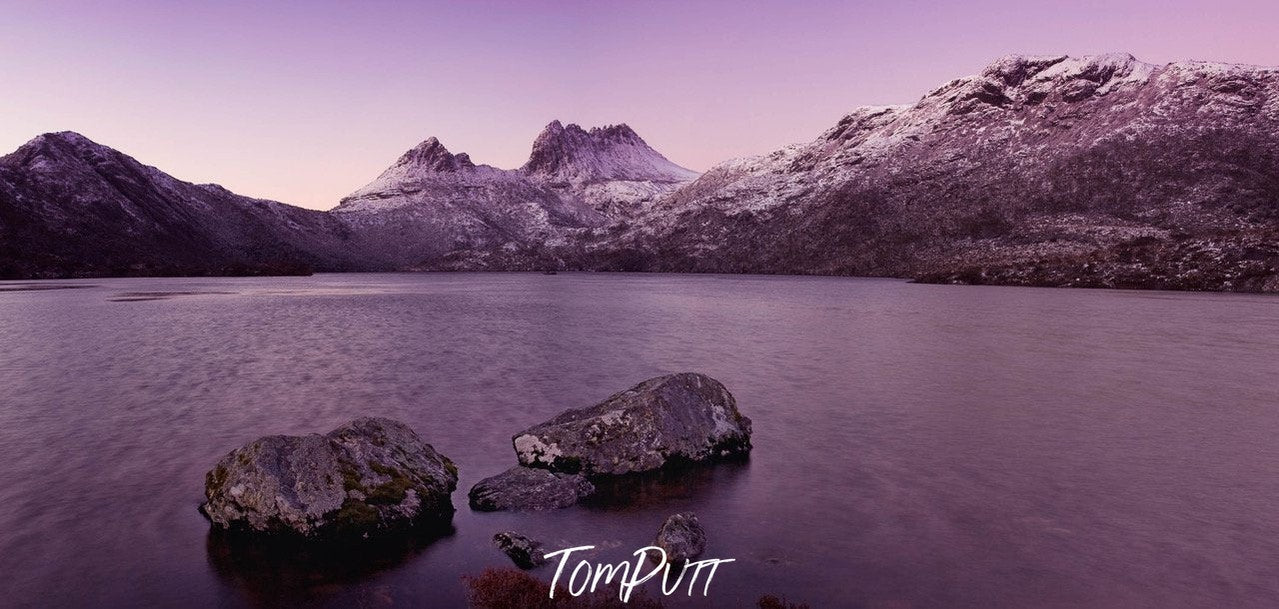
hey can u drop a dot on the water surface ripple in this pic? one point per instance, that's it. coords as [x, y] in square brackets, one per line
[916, 446]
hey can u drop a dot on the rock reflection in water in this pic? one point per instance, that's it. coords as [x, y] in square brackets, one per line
[634, 491]
[279, 571]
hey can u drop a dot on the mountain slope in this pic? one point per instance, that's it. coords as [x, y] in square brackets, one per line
[71, 207]
[1101, 171]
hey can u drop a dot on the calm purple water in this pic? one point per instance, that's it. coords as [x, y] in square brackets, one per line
[916, 446]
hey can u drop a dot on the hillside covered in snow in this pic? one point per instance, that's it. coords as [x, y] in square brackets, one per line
[1096, 171]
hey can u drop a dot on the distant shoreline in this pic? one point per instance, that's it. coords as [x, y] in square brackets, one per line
[1085, 284]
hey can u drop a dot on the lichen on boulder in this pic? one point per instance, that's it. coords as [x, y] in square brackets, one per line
[369, 475]
[678, 418]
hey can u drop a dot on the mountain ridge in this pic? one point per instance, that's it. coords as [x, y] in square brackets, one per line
[1097, 171]
[1092, 171]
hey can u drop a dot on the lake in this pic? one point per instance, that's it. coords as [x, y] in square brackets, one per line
[915, 446]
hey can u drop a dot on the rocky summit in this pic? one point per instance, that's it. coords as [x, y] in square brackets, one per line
[367, 476]
[611, 169]
[667, 420]
[1095, 171]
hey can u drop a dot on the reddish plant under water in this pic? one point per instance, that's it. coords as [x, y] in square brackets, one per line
[515, 589]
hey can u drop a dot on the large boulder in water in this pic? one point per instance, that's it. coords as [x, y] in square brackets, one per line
[527, 488]
[368, 475]
[677, 418]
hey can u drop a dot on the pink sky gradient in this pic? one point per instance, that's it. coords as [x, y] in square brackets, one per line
[304, 102]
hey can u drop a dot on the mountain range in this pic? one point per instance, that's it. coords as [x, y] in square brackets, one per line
[1099, 171]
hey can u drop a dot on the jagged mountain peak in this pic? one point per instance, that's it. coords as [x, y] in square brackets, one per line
[618, 132]
[559, 135]
[569, 154]
[427, 162]
[431, 155]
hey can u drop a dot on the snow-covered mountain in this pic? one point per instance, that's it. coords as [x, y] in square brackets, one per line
[1098, 171]
[432, 203]
[72, 207]
[610, 168]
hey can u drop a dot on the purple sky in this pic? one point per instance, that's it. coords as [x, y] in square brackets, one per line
[304, 102]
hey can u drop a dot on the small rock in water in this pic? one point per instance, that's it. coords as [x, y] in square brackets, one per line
[677, 418]
[682, 537]
[368, 475]
[526, 488]
[524, 552]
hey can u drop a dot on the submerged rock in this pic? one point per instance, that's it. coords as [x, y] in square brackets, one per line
[524, 552]
[669, 419]
[526, 488]
[682, 537]
[368, 475]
